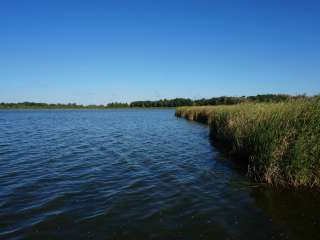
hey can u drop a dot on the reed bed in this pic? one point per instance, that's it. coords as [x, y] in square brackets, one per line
[279, 141]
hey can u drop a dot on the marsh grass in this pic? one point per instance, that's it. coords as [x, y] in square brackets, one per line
[279, 141]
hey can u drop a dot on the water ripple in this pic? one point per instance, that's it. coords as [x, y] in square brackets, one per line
[125, 174]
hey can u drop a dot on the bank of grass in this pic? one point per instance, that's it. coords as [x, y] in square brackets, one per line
[280, 141]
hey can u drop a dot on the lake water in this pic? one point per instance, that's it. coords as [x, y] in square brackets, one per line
[133, 174]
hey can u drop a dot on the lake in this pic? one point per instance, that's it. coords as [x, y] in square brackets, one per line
[134, 174]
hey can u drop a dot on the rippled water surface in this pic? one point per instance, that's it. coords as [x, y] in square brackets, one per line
[133, 174]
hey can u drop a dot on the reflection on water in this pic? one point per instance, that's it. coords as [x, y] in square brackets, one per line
[133, 174]
[295, 211]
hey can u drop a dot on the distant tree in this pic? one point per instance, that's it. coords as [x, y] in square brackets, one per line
[176, 102]
[117, 105]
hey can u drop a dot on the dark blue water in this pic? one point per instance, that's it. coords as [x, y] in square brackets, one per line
[133, 174]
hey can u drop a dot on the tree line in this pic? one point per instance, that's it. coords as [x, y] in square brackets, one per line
[224, 100]
[35, 105]
[176, 102]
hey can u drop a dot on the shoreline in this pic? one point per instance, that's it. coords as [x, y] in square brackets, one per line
[142, 108]
[280, 142]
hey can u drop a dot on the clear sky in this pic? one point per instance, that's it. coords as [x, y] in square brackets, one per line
[98, 51]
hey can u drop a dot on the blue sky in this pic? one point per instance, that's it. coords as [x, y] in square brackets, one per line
[101, 51]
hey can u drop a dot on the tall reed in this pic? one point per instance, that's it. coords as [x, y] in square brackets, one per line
[280, 141]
